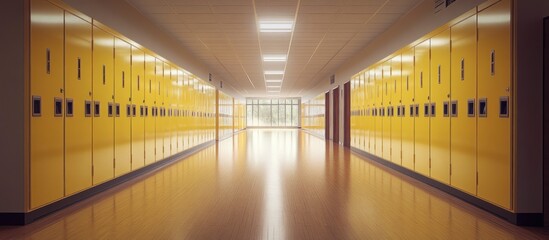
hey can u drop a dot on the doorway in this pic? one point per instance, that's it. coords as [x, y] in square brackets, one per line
[347, 114]
[545, 120]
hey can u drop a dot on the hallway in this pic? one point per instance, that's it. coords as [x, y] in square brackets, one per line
[272, 184]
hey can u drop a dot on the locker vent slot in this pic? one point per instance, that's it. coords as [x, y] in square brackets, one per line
[134, 110]
[48, 60]
[445, 109]
[471, 107]
[97, 109]
[128, 110]
[407, 83]
[78, 65]
[462, 72]
[426, 110]
[504, 107]
[58, 107]
[493, 62]
[421, 79]
[109, 110]
[454, 109]
[87, 108]
[439, 74]
[150, 84]
[433, 109]
[36, 106]
[483, 107]
[138, 83]
[70, 108]
[118, 110]
[104, 75]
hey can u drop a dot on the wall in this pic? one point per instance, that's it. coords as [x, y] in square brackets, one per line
[13, 96]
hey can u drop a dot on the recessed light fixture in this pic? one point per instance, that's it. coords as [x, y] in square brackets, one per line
[274, 86]
[273, 81]
[274, 58]
[274, 72]
[270, 91]
[276, 26]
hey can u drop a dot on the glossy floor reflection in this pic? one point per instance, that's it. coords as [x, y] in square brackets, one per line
[272, 184]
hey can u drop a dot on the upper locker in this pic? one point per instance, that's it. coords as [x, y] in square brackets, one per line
[396, 109]
[150, 98]
[438, 110]
[78, 104]
[422, 107]
[46, 89]
[494, 104]
[103, 121]
[138, 108]
[462, 108]
[122, 108]
[408, 104]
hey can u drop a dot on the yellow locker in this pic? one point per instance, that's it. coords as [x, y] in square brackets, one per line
[422, 99]
[494, 104]
[179, 105]
[122, 107]
[103, 121]
[167, 111]
[78, 104]
[379, 110]
[186, 103]
[408, 107]
[440, 94]
[138, 108]
[353, 112]
[396, 115]
[159, 110]
[462, 107]
[361, 111]
[386, 104]
[150, 104]
[373, 110]
[173, 102]
[46, 87]
[369, 123]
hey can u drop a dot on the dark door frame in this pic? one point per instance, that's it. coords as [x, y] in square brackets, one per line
[347, 114]
[335, 117]
[327, 115]
[545, 120]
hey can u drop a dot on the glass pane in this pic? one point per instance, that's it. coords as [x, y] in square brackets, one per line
[288, 115]
[249, 101]
[256, 101]
[295, 115]
[294, 101]
[275, 115]
[264, 115]
[288, 101]
[264, 101]
[255, 115]
[275, 101]
[281, 115]
[249, 116]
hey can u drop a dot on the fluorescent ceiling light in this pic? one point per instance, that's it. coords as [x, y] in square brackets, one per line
[274, 86]
[278, 91]
[276, 26]
[274, 58]
[273, 81]
[274, 72]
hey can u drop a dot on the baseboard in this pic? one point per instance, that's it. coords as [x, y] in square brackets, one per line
[29, 217]
[520, 219]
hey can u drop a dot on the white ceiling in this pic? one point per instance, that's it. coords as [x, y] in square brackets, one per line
[224, 34]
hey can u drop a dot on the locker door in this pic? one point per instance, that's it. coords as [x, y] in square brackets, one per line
[387, 103]
[185, 118]
[408, 104]
[159, 110]
[422, 99]
[122, 108]
[354, 129]
[363, 117]
[396, 118]
[180, 126]
[380, 110]
[373, 111]
[440, 93]
[173, 107]
[464, 99]
[150, 98]
[78, 104]
[368, 124]
[46, 87]
[138, 111]
[167, 126]
[494, 104]
[103, 90]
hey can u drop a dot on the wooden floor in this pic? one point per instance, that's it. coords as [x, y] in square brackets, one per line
[272, 184]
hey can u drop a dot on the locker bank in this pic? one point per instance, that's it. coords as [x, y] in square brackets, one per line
[287, 119]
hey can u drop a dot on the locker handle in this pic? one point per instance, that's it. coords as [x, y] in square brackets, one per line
[134, 110]
[433, 110]
[118, 110]
[454, 109]
[128, 110]
[403, 113]
[471, 107]
[483, 107]
[141, 111]
[48, 60]
[70, 107]
[78, 64]
[417, 110]
[504, 107]
[36, 106]
[109, 109]
[58, 107]
[445, 109]
[104, 75]
[87, 108]
[399, 111]
[426, 109]
[146, 111]
[462, 72]
[97, 109]
[493, 62]
[411, 110]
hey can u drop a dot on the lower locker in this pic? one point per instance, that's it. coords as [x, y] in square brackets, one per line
[138, 110]
[408, 116]
[421, 108]
[386, 111]
[159, 112]
[150, 119]
[122, 108]
[379, 112]
[396, 110]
